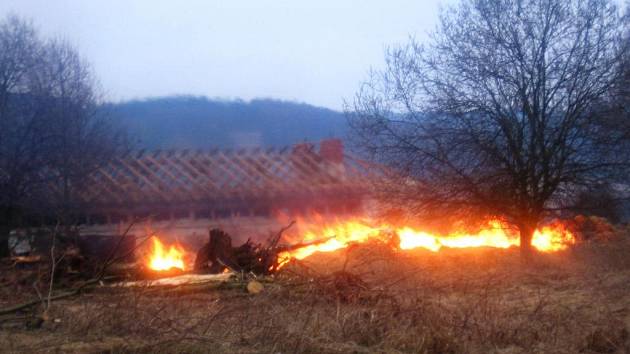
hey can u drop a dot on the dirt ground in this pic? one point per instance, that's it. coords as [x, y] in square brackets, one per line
[366, 299]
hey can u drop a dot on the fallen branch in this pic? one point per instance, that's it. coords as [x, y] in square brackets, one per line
[186, 279]
[100, 277]
[63, 295]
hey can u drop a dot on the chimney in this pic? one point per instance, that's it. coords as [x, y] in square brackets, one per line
[331, 150]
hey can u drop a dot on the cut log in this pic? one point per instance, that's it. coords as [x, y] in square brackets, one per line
[19, 260]
[254, 287]
[186, 279]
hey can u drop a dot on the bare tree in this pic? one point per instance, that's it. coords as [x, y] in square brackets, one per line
[20, 124]
[53, 133]
[496, 115]
[82, 135]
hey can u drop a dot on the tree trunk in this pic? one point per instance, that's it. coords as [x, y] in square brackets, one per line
[526, 234]
[6, 221]
[4, 240]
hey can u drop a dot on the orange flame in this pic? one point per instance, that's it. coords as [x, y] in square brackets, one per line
[552, 237]
[161, 259]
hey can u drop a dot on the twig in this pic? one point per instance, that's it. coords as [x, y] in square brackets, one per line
[273, 242]
[53, 265]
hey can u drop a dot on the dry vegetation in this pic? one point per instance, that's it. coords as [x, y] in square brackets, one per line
[362, 300]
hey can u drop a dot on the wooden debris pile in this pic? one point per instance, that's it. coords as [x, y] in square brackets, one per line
[218, 255]
[73, 253]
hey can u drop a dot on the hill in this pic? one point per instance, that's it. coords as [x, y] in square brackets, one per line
[198, 122]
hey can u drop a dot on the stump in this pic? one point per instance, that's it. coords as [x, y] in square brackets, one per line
[217, 254]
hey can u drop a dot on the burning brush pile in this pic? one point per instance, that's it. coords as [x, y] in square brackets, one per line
[221, 259]
[305, 237]
[218, 255]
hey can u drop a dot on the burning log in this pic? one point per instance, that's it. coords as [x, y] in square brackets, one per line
[218, 254]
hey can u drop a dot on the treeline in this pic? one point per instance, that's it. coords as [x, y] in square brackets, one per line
[178, 122]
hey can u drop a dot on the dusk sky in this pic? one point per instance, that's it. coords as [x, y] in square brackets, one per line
[316, 52]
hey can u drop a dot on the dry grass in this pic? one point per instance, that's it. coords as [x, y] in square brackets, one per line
[457, 301]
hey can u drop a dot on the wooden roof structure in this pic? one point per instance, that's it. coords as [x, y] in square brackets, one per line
[222, 179]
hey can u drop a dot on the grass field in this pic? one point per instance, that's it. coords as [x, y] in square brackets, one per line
[368, 299]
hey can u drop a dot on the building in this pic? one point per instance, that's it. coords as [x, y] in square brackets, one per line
[181, 194]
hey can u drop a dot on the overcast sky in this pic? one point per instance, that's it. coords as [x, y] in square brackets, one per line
[310, 51]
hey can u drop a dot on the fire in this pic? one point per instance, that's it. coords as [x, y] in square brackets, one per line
[162, 259]
[494, 235]
[339, 234]
[554, 237]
